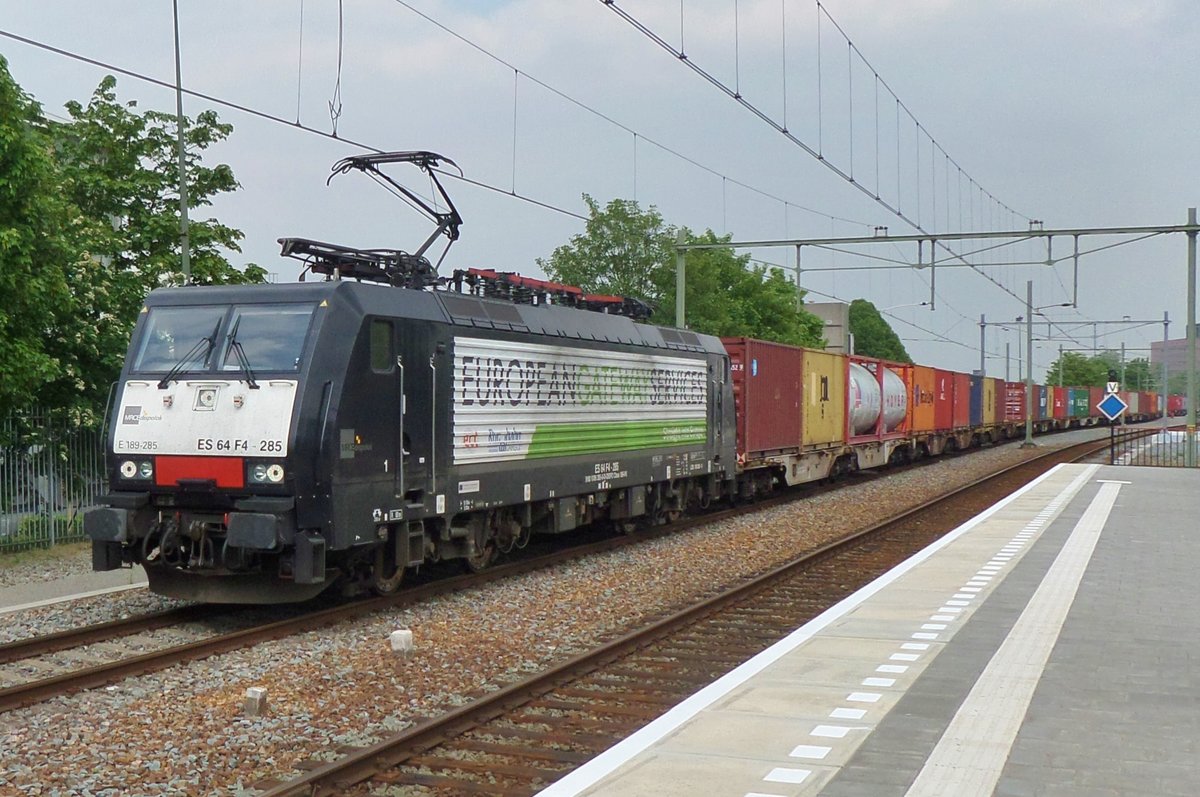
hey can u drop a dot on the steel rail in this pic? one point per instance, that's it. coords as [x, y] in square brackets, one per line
[100, 632]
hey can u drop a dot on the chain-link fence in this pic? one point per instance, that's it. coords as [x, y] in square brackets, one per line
[51, 469]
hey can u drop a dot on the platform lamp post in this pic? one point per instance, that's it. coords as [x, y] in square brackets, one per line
[1190, 448]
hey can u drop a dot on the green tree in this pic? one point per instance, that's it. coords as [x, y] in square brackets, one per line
[873, 336]
[34, 252]
[1139, 375]
[619, 252]
[119, 168]
[1079, 370]
[89, 224]
[627, 251]
[729, 295]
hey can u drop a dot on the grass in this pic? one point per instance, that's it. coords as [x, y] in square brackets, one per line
[71, 550]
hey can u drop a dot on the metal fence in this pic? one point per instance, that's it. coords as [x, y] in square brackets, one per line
[50, 471]
[1162, 448]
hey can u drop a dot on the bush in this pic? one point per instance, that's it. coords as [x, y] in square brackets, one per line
[34, 531]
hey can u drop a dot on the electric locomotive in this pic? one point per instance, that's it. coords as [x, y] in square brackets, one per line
[269, 441]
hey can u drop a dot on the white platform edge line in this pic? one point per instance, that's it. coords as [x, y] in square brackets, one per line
[616, 756]
[64, 598]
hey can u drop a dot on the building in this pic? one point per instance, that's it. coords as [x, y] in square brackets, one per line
[1176, 353]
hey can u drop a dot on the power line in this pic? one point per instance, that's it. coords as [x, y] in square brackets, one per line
[614, 122]
[735, 94]
[269, 117]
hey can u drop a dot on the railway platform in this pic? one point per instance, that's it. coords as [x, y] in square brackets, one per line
[1046, 648]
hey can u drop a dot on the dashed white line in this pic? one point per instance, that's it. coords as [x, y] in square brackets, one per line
[787, 775]
[814, 751]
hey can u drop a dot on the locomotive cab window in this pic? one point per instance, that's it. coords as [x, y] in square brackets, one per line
[382, 349]
[176, 335]
[270, 336]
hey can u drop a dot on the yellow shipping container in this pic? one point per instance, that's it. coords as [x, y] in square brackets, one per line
[989, 401]
[824, 391]
[924, 383]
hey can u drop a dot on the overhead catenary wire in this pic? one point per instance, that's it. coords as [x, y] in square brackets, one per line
[510, 192]
[249, 111]
[767, 119]
[615, 122]
[335, 102]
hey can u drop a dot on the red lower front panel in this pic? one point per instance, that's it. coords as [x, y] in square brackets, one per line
[225, 471]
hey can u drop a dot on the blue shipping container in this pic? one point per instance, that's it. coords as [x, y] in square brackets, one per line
[976, 400]
[1043, 398]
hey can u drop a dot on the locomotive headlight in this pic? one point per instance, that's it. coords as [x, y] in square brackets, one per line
[137, 470]
[265, 473]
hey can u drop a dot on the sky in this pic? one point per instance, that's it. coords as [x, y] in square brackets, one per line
[1074, 113]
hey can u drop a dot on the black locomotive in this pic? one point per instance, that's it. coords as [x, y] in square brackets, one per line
[268, 441]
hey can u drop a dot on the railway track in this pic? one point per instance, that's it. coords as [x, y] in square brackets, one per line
[69, 674]
[521, 738]
[73, 672]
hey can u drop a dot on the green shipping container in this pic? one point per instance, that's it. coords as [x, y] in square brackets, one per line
[1079, 402]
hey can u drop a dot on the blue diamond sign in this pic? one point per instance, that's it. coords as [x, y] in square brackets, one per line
[1112, 406]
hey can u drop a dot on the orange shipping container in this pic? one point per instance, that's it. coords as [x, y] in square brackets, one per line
[824, 388]
[921, 403]
[962, 400]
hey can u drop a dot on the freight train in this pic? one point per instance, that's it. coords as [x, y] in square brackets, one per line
[268, 442]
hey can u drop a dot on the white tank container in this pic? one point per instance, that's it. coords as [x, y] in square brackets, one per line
[895, 400]
[864, 400]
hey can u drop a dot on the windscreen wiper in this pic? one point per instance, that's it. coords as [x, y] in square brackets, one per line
[236, 346]
[206, 342]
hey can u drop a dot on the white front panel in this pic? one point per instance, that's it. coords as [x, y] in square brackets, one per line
[206, 417]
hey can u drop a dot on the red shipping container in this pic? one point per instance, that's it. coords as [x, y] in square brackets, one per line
[1014, 401]
[1176, 405]
[943, 400]
[962, 400]
[1095, 396]
[1058, 395]
[766, 393]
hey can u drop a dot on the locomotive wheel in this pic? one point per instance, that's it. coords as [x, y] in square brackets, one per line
[666, 516]
[481, 548]
[481, 559]
[385, 575]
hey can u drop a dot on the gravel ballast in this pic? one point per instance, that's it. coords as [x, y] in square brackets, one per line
[182, 731]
